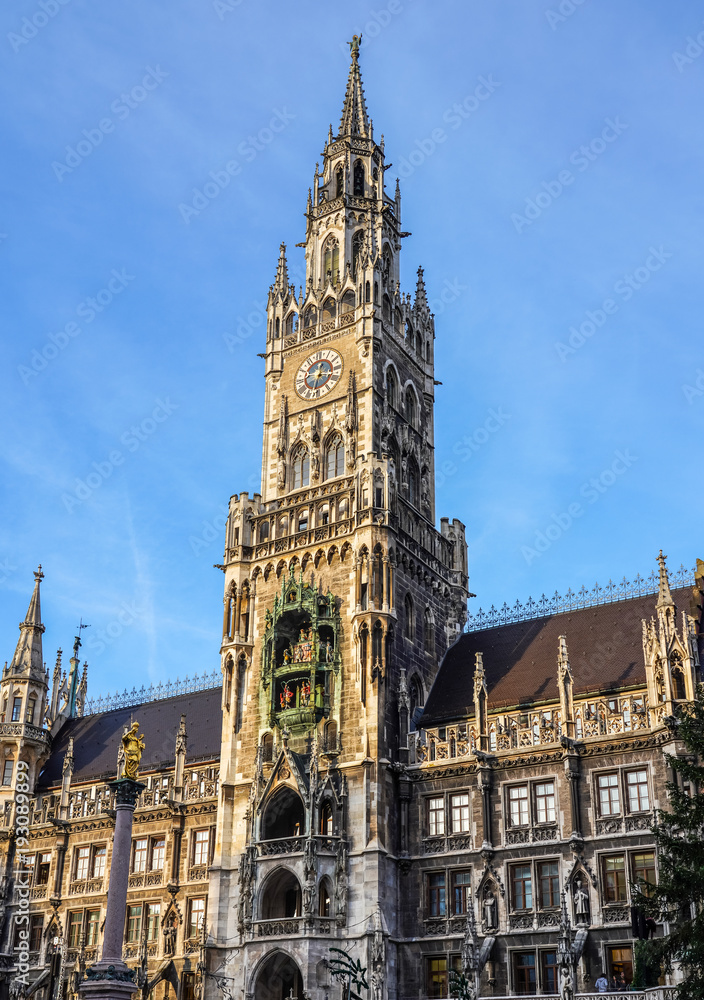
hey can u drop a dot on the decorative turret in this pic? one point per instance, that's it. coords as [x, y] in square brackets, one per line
[670, 656]
[565, 685]
[28, 660]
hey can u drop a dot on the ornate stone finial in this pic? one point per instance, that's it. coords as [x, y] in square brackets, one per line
[664, 595]
[133, 745]
[38, 575]
[68, 758]
[181, 736]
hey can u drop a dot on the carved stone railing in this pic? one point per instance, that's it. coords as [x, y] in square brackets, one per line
[154, 878]
[39, 891]
[136, 880]
[191, 947]
[584, 598]
[25, 731]
[452, 842]
[284, 845]
[549, 918]
[531, 835]
[639, 821]
[284, 926]
[435, 926]
[615, 914]
[201, 784]
[197, 873]
[611, 825]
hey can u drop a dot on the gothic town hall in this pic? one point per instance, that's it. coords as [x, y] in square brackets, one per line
[371, 772]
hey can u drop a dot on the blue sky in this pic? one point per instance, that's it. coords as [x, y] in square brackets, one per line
[568, 196]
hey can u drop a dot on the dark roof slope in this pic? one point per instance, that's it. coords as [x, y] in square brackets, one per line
[605, 646]
[96, 738]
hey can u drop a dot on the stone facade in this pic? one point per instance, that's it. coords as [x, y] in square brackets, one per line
[369, 776]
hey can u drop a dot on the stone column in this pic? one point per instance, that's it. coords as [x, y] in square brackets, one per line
[110, 978]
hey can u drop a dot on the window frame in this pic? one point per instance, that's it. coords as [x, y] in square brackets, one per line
[133, 922]
[189, 924]
[89, 923]
[432, 813]
[610, 788]
[548, 821]
[554, 883]
[82, 853]
[99, 851]
[619, 884]
[637, 787]
[74, 928]
[515, 955]
[197, 845]
[461, 891]
[526, 884]
[436, 883]
[465, 821]
[140, 852]
[523, 799]
[160, 839]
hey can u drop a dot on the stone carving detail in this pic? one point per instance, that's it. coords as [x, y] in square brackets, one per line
[616, 914]
[341, 884]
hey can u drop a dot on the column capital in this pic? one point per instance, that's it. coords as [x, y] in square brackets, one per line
[126, 791]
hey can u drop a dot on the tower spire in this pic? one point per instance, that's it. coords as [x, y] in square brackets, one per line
[28, 658]
[354, 120]
[281, 279]
[664, 595]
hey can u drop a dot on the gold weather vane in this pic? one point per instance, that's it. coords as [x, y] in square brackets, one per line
[133, 745]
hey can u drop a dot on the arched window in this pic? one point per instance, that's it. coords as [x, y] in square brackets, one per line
[347, 304]
[357, 248]
[267, 747]
[411, 414]
[339, 181]
[241, 691]
[284, 816]
[386, 309]
[330, 735]
[359, 178]
[413, 483]
[367, 292]
[325, 899]
[331, 260]
[278, 327]
[335, 457]
[263, 531]
[291, 323]
[408, 618]
[329, 309]
[427, 351]
[326, 820]
[415, 694]
[301, 468]
[428, 631]
[391, 388]
[310, 317]
[410, 340]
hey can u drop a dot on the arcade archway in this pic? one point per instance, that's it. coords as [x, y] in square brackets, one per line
[277, 977]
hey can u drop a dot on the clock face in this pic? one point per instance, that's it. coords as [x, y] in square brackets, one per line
[319, 374]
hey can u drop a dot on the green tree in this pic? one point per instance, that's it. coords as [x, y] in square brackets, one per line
[679, 834]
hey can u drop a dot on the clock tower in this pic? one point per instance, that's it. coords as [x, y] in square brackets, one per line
[341, 596]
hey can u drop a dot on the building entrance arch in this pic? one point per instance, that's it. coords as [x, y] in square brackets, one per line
[276, 977]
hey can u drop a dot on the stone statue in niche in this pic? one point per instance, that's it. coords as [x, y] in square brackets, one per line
[489, 908]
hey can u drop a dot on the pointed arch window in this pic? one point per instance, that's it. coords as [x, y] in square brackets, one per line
[416, 699]
[326, 820]
[357, 249]
[359, 179]
[301, 468]
[329, 309]
[347, 304]
[408, 618]
[331, 260]
[339, 182]
[411, 408]
[335, 457]
[413, 484]
[310, 317]
[325, 899]
[410, 340]
[291, 323]
[241, 690]
[391, 388]
[428, 631]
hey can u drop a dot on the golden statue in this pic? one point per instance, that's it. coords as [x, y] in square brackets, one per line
[132, 745]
